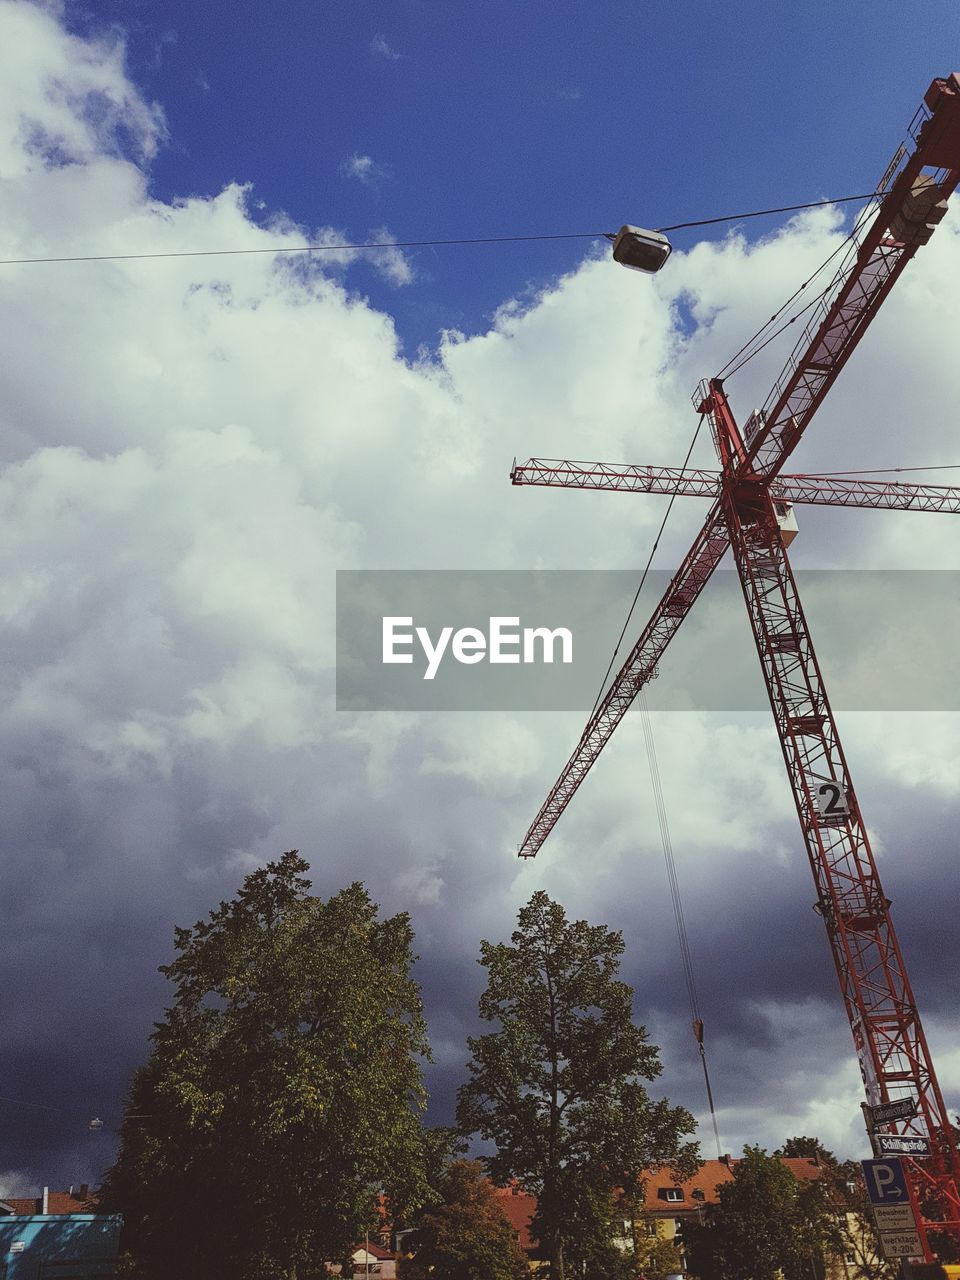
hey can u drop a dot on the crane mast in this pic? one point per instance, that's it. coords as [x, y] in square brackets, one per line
[911, 199]
[888, 1036]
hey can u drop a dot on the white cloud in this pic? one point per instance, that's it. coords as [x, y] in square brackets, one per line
[66, 98]
[380, 47]
[191, 448]
[392, 262]
[17, 1183]
[364, 168]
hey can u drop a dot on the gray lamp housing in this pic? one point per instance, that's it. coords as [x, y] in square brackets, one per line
[641, 250]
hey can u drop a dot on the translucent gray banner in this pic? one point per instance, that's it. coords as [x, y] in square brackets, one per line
[432, 640]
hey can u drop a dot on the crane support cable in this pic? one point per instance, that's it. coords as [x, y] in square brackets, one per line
[643, 576]
[882, 471]
[417, 244]
[685, 954]
[858, 222]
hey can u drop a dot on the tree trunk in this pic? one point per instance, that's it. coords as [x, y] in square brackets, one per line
[556, 1265]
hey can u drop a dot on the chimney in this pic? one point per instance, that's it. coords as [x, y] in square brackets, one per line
[84, 1190]
[45, 1201]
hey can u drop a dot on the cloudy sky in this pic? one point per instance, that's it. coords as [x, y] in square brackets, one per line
[191, 448]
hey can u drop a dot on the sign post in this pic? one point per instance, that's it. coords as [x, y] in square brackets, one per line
[893, 1208]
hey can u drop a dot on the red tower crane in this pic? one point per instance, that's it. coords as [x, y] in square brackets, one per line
[749, 497]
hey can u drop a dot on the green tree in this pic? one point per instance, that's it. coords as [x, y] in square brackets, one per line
[856, 1236]
[556, 1087]
[283, 1090]
[802, 1147]
[467, 1236]
[768, 1225]
[658, 1259]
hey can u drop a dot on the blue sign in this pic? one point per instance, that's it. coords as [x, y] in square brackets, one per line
[886, 1182]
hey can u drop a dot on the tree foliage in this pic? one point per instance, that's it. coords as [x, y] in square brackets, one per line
[842, 1185]
[557, 1086]
[658, 1259]
[283, 1088]
[466, 1236]
[768, 1225]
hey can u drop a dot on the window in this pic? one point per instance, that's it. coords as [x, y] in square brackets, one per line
[698, 1195]
[672, 1194]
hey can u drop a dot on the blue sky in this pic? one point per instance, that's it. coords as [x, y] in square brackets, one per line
[190, 449]
[503, 118]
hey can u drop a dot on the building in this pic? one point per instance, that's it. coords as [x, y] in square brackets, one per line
[668, 1206]
[369, 1259]
[57, 1235]
[518, 1207]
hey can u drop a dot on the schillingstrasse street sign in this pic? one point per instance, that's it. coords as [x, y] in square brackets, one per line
[895, 1144]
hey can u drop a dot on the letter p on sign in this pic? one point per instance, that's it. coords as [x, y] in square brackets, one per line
[886, 1183]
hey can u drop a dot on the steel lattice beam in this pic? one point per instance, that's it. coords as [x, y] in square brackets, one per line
[703, 557]
[825, 491]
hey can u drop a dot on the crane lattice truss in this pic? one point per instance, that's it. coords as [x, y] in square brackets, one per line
[747, 495]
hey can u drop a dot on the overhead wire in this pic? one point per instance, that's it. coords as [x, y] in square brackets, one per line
[38, 1106]
[762, 213]
[413, 244]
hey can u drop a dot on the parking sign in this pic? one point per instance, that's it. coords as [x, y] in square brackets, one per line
[886, 1182]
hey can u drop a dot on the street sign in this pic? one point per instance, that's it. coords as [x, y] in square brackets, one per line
[895, 1144]
[894, 1217]
[885, 1181]
[901, 1109]
[901, 1244]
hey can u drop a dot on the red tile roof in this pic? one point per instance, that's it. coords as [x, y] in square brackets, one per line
[518, 1207]
[710, 1175]
[801, 1168]
[58, 1202]
[375, 1250]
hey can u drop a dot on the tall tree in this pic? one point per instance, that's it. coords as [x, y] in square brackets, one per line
[557, 1086]
[283, 1090]
[467, 1236]
[768, 1225]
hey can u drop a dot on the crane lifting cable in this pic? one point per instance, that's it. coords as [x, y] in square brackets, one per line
[685, 954]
